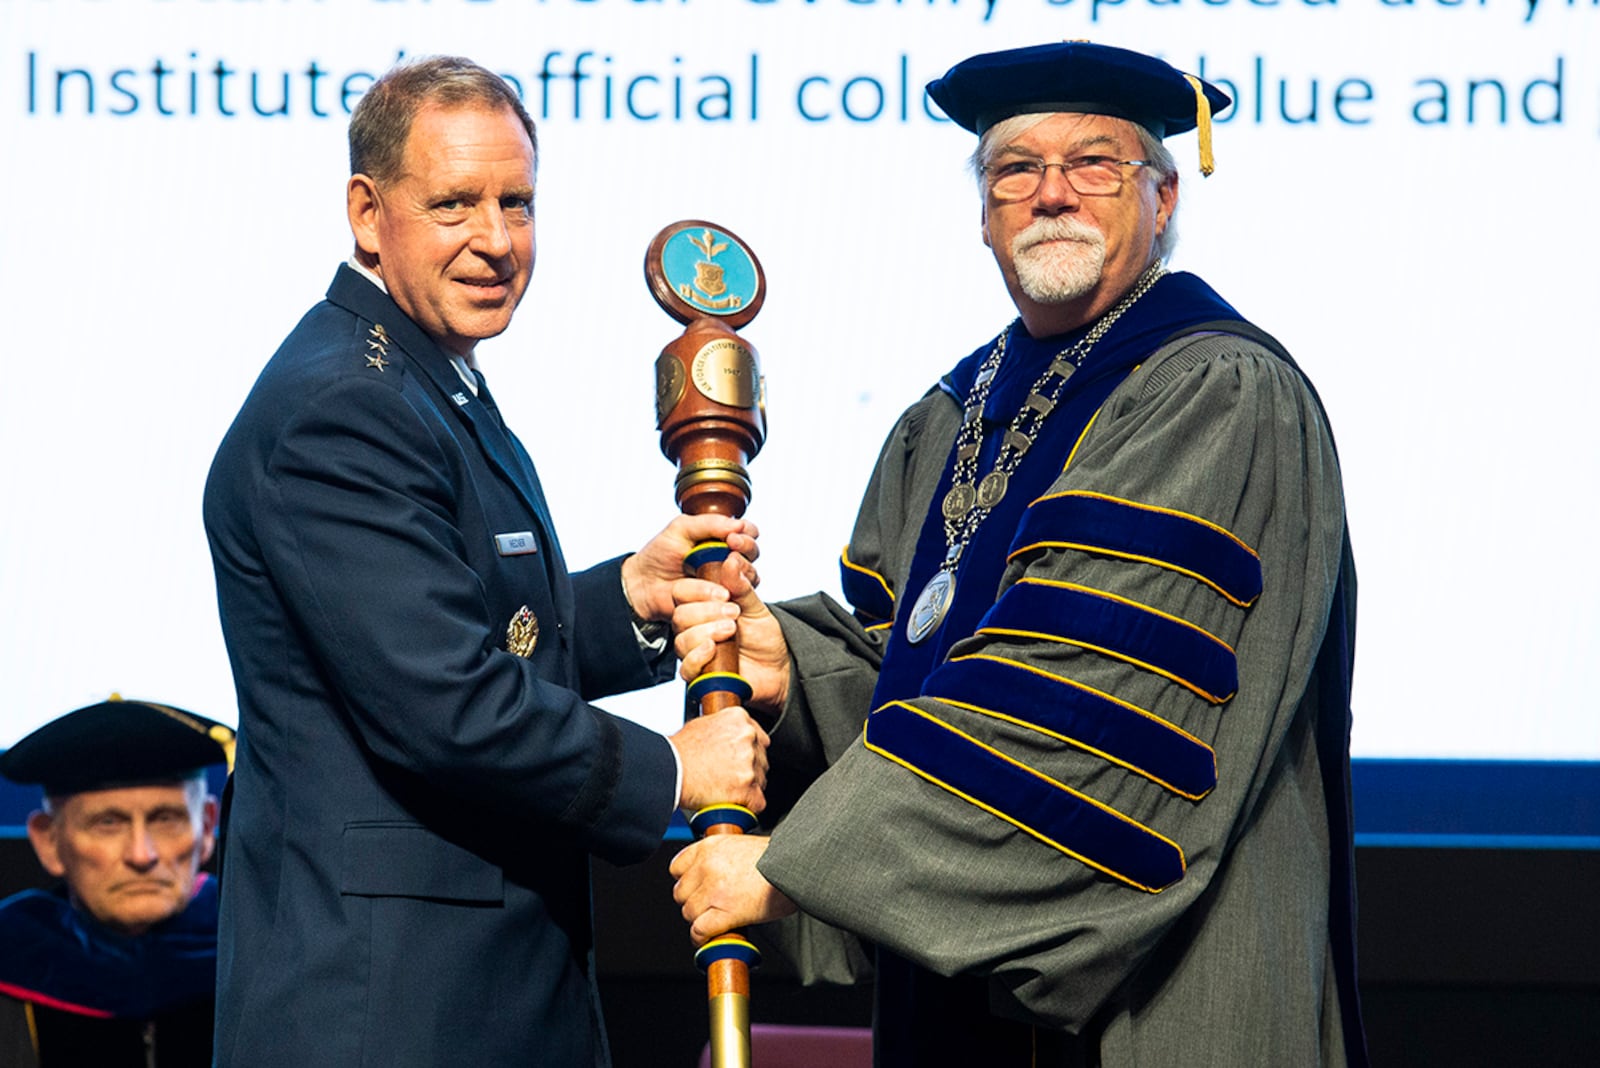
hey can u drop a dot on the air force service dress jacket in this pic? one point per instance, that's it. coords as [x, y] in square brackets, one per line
[414, 803]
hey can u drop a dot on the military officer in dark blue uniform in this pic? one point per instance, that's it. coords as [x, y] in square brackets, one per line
[421, 780]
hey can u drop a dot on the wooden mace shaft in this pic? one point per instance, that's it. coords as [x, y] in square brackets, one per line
[710, 414]
[727, 979]
[711, 411]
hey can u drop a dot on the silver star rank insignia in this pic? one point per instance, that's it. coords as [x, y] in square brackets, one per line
[378, 338]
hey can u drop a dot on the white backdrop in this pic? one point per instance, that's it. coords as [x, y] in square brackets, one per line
[172, 198]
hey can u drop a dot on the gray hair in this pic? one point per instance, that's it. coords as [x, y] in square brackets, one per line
[382, 119]
[1162, 165]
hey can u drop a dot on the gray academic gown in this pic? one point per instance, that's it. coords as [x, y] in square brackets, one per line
[1231, 962]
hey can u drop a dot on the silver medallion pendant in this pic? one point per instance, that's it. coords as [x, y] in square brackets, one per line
[931, 605]
[993, 488]
[958, 502]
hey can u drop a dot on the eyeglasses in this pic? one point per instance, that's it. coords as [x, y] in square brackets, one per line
[1089, 176]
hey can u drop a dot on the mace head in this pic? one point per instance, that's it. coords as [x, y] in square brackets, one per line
[710, 395]
[699, 270]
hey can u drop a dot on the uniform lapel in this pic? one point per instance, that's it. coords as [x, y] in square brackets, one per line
[507, 453]
[477, 413]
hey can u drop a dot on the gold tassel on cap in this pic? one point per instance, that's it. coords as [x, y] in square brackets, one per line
[228, 740]
[223, 736]
[1202, 120]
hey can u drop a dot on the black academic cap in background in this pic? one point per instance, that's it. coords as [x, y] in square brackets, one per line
[117, 743]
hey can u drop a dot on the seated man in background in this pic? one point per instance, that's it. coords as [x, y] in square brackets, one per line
[116, 966]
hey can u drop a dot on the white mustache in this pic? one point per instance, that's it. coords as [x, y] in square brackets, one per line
[1057, 228]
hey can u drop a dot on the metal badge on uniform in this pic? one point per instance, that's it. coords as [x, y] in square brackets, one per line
[519, 544]
[460, 398]
[522, 633]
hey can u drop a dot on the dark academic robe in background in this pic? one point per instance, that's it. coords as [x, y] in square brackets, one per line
[74, 994]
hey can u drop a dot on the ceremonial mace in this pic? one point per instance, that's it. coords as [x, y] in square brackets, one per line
[711, 411]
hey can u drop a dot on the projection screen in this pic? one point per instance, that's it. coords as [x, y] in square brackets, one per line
[1401, 197]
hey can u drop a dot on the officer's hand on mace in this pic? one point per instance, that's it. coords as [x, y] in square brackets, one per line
[724, 758]
[729, 609]
[650, 575]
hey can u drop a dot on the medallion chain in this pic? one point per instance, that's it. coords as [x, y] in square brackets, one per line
[970, 499]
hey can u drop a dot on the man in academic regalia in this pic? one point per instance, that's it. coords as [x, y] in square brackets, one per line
[1101, 641]
[117, 965]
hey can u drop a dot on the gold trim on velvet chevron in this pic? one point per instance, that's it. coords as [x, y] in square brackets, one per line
[875, 602]
[1065, 819]
[1120, 628]
[1130, 530]
[1102, 725]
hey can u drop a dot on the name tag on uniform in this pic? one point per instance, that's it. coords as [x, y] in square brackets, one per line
[519, 544]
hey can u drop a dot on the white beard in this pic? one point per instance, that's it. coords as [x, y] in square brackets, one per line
[1058, 259]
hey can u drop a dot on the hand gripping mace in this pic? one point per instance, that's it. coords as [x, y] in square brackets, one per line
[711, 411]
